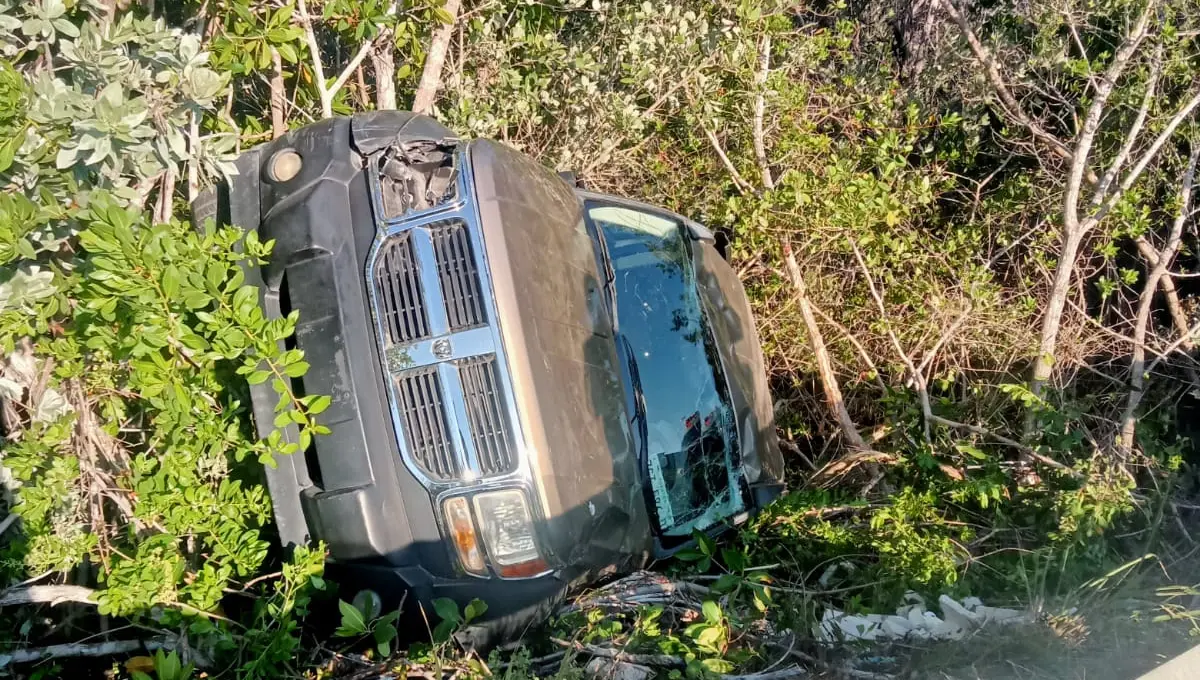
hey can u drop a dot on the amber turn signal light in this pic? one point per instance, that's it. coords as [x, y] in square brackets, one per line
[462, 532]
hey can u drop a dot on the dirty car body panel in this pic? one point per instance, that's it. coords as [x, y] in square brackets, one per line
[491, 420]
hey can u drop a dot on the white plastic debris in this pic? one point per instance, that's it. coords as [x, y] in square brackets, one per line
[913, 620]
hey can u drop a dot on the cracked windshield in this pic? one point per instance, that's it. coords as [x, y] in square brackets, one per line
[691, 436]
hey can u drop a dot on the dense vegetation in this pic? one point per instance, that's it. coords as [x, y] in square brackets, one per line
[968, 229]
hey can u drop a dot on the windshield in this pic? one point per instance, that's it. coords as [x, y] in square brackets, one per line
[691, 436]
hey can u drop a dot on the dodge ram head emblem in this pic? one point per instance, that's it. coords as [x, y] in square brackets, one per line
[442, 349]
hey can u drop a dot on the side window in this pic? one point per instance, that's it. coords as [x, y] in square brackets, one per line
[692, 439]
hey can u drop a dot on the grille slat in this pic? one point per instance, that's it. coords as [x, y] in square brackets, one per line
[399, 286]
[489, 426]
[461, 292]
[425, 427]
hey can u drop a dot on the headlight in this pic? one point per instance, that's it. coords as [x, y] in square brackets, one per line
[507, 530]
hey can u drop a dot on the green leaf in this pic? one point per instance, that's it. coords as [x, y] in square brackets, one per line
[352, 618]
[258, 377]
[319, 404]
[171, 280]
[447, 610]
[297, 369]
[287, 52]
[475, 609]
[442, 16]
[712, 612]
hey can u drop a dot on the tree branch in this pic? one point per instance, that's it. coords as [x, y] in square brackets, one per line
[435, 58]
[1135, 130]
[992, 71]
[1138, 360]
[833, 393]
[50, 595]
[314, 50]
[79, 649]
[917, 376]
[760, 84]
[1115, 196]
[278, 96]
[383, 63]
[1091, 121]
[742, 185]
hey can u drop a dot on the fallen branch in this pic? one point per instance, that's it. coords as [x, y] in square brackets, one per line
[662, 660]
[833, 393]
[78, 649]
[1028, 451]
[50, 595]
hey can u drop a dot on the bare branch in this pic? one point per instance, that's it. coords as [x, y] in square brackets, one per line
[760, 84]
[858, 346]
[917, 376]
[357, 59]
[1027, 451]
[1138, 360]
[1134, 131]
[50, 595]
[1091, 121]
[1174, 306]
[1191, 333]
[1115, 195]
[833, 393]
[278, 96]
[80, 649]
[742, 185]
[314, 50]
[992, 71]
[435, 57]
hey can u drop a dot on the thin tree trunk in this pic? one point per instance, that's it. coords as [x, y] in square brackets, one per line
[1137, 364]
[1174, 306]
[435, 58]
[760, 106]
[1052, 321]
[384, 64]
[278, 97]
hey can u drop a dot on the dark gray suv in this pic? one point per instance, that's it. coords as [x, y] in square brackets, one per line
[533, 386]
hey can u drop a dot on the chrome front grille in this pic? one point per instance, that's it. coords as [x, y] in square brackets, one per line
[458, 274]
[424, 412]
[401, 302]
[490, 430]
[449, 391]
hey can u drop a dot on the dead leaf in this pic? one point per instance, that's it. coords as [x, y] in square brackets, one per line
[140, 664]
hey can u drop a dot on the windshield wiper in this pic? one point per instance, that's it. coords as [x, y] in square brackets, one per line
[639, 400]
[610, 277]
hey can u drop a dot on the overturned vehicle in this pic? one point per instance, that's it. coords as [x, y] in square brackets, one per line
[533, 386]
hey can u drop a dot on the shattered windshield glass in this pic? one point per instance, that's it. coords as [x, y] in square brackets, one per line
[692, 438]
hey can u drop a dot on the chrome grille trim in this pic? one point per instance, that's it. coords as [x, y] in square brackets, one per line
[425, 428]
[459, 276]
[490, 430]
[449, 265]
[398, 282]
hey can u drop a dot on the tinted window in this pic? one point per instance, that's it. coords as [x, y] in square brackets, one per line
[692, 447]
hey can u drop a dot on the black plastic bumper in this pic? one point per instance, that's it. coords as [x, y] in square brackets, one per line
[513, 605]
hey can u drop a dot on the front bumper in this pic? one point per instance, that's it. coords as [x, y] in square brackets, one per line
[513, 606]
